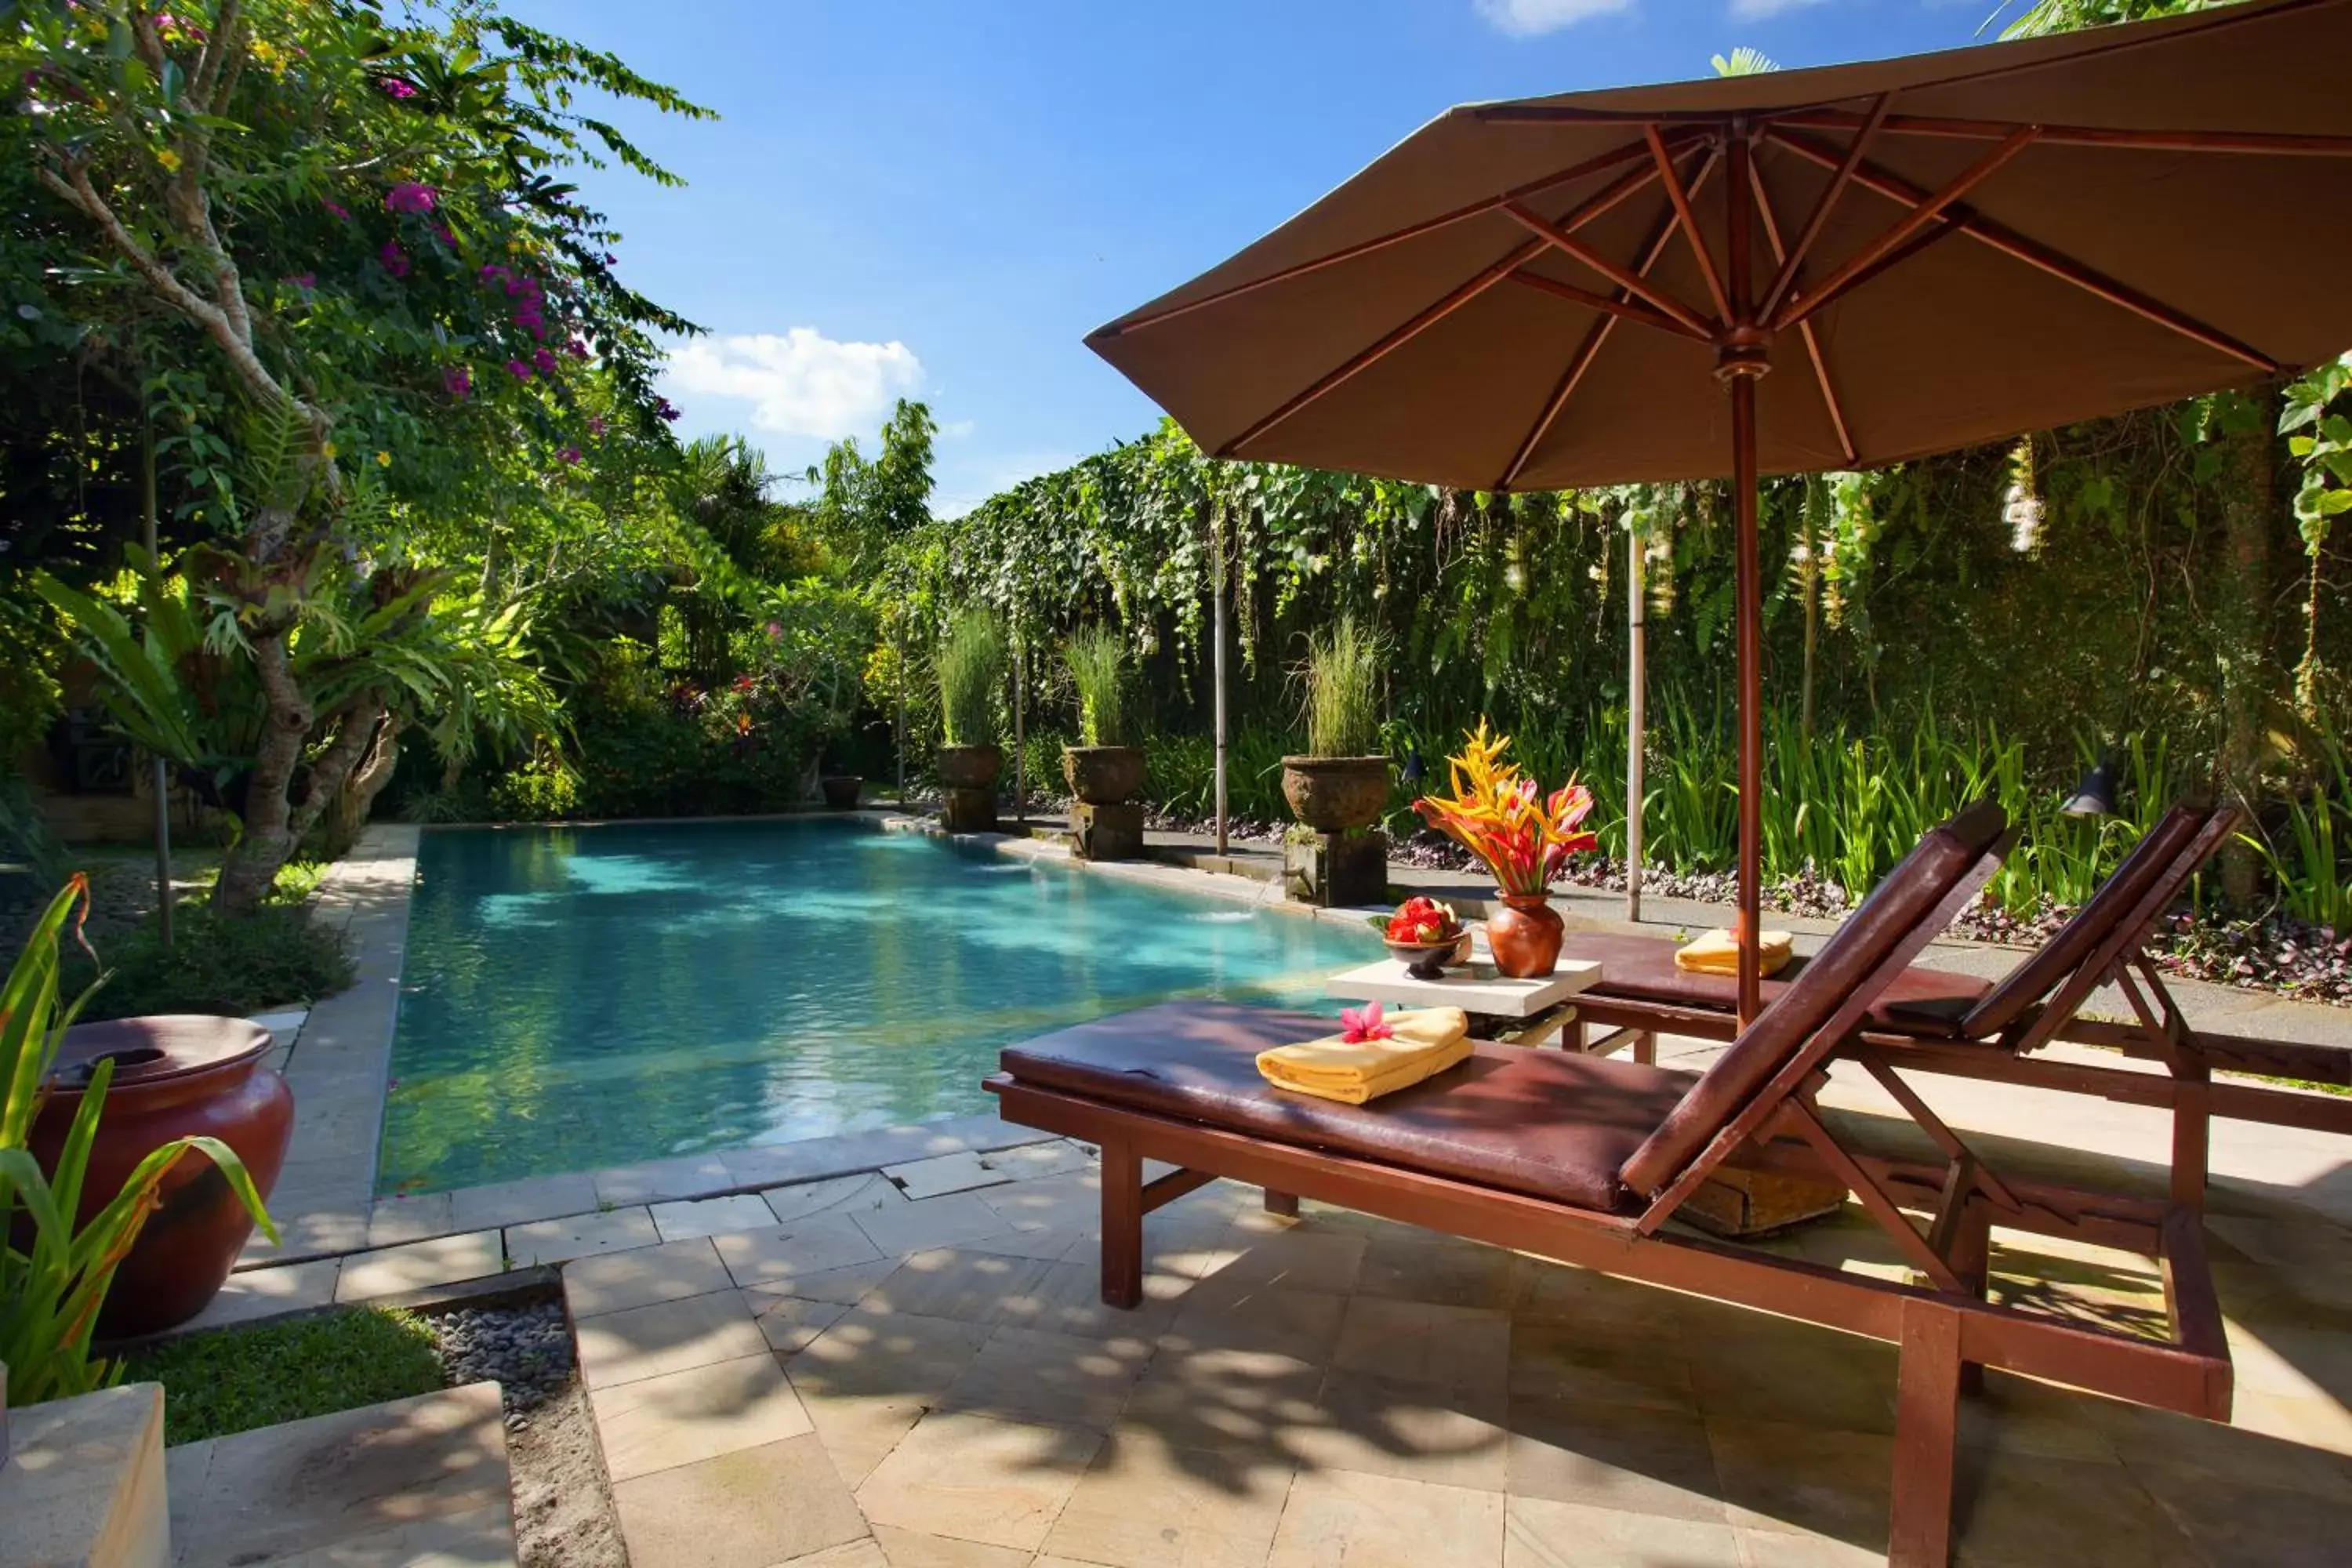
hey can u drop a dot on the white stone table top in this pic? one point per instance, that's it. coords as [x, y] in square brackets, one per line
[1476, 988]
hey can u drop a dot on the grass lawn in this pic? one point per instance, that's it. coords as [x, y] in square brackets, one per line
[233, 1380]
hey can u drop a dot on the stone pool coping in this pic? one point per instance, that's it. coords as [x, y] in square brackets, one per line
[338, 1061]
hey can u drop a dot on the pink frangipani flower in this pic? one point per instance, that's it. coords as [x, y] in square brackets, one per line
[1361, 1023]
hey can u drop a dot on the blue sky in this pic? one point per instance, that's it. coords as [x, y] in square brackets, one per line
[939, 198]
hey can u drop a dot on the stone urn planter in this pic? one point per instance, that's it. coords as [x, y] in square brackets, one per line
[967, 786]
[1103, 775]
[842, 789]
[1332, 794]
[174, 1076]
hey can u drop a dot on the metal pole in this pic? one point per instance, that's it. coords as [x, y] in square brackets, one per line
[1636, 712]
[1217, 631]
[1020, 753]
[160, 780]
[1742, 361]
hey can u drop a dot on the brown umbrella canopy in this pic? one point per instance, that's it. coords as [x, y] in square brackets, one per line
[1989, 240]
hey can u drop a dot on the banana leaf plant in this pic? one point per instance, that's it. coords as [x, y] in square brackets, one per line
[54, 1274]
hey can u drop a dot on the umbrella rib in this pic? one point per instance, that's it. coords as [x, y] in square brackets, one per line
[1923, 212]
[1610, 304]
[1557, 237]
[1599, 334]
[1594, 165]
[2280, 144]
[1454, 301]
[2034, 254]
[1804, 329]
[1795, 255]
[1689, 221]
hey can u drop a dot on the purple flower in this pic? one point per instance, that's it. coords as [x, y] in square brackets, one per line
[595, 424]
[394, 88]
[610, 259]
[336, 207]
[576, 348]
[441, 232]
[491, 272]
[570, 453]
[775, 630]
[306, 282]
[663, 408]
[409, 197]
[458, 381]
[393, 262]
[518, 369]
[545, 361]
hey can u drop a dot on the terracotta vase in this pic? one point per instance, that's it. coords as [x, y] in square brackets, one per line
[1525, 935]
[174, 1076]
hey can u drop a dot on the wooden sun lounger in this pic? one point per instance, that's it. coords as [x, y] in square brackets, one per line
[1933, 1020]
[1584, 1158]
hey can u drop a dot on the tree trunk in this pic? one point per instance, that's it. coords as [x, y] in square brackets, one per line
[2242, 614]
[366, 781]
[250, 868]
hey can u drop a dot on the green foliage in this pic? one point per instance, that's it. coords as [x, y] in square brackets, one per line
[1096, 657]
[1342, 676]
[970, 665]
[55, 1264]
[276, 957]
[234, 1380]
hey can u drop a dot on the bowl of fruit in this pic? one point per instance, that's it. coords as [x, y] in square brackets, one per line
[1425, 936]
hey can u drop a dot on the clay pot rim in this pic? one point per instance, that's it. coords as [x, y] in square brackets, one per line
[162, 1087]
[1311, 760]
[1096, 751]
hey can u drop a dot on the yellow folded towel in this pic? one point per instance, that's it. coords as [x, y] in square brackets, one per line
[1718, 952]
[1354, 1071]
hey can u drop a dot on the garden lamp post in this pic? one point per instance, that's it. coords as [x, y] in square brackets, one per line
[1814, 269]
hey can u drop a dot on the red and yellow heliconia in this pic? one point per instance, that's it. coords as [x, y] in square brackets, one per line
[1499, 815]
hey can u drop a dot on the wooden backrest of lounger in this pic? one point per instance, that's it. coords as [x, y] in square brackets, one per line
[2158, 860]
[1911, 896]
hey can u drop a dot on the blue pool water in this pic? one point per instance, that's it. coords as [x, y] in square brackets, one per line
[583, 997]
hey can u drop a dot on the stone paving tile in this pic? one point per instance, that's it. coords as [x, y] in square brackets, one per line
[2023, 1509]
[480, 1538]
[1034, 1160]
[520, 1203]
[787, 1323]
[712, 1216]
[1049, 1380]
[863, 1553]
[1601, 1363]
[1062, 1201]
[1141, 1505]
[844, 1287]
[837, 1194]
[1293, 1257]
[259, 1293]
[778, 1257]
[579, 1236]
[1777, 1549]
[1420, 1342]
[892, 1354]
[753, 1508]
[616, 1281]
[1453, 1437]
[661, 1423]
[1804, 1479]
[1621, 1457]
[1416, 1266]
[925, 1483]
[1239, 1402]
[306, 1234]
[944, 1174]
[398, 1219]
[1541, 1534]
[1218, 1314]
[911, 1549]
[1337, 1519]
[1758, 1368]
[418, 1265]
[970, 1287]
[1067, 1298]
[667, 1336]
[932, 1222]
[659, 1181]
[858, 1430]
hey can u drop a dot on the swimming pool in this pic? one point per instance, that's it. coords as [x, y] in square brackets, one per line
[578, 998]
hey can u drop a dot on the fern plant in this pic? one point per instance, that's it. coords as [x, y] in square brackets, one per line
[54, 1273]
[1098, 661]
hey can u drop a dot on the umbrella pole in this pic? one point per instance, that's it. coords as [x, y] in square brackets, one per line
[1741, 361]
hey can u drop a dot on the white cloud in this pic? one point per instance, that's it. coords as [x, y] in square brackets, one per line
[801, 383]
[1756, 10]
[1528, 18]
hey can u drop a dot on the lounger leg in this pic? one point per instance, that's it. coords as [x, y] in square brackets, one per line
[1645, 1048]
[2193, 1133]
[1927, 1436]
[1572, 1034]
[1122, 1224]
[1972, 1259]
[1283, 1203]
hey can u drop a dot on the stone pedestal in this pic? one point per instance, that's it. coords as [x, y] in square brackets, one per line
[1108, 832]
[1336, 869]
[85, 1484]
[968, 810]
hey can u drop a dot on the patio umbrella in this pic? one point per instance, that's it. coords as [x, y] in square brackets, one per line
[1923, 253]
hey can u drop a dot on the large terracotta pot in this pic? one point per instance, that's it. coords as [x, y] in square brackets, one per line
[1332, 794]
[174, 1076]
[841, 790]
[1103, 775]
[969, 767]
[1525, 935]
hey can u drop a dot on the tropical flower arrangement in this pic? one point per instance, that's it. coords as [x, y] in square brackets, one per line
[1500, 814]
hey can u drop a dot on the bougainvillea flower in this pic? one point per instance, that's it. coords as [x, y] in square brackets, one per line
[518, 370]
[663, 409]
[576, 348]
[775, 630]
[441, 232]
[394, 88]
[491, 272]
[1497, 813]
[408, 197]
[458, 381]
[306, 282]
[569, 455]
[545, 361]
[1361, 1023]
[336, 207]
[395, 262]
[595, 424]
